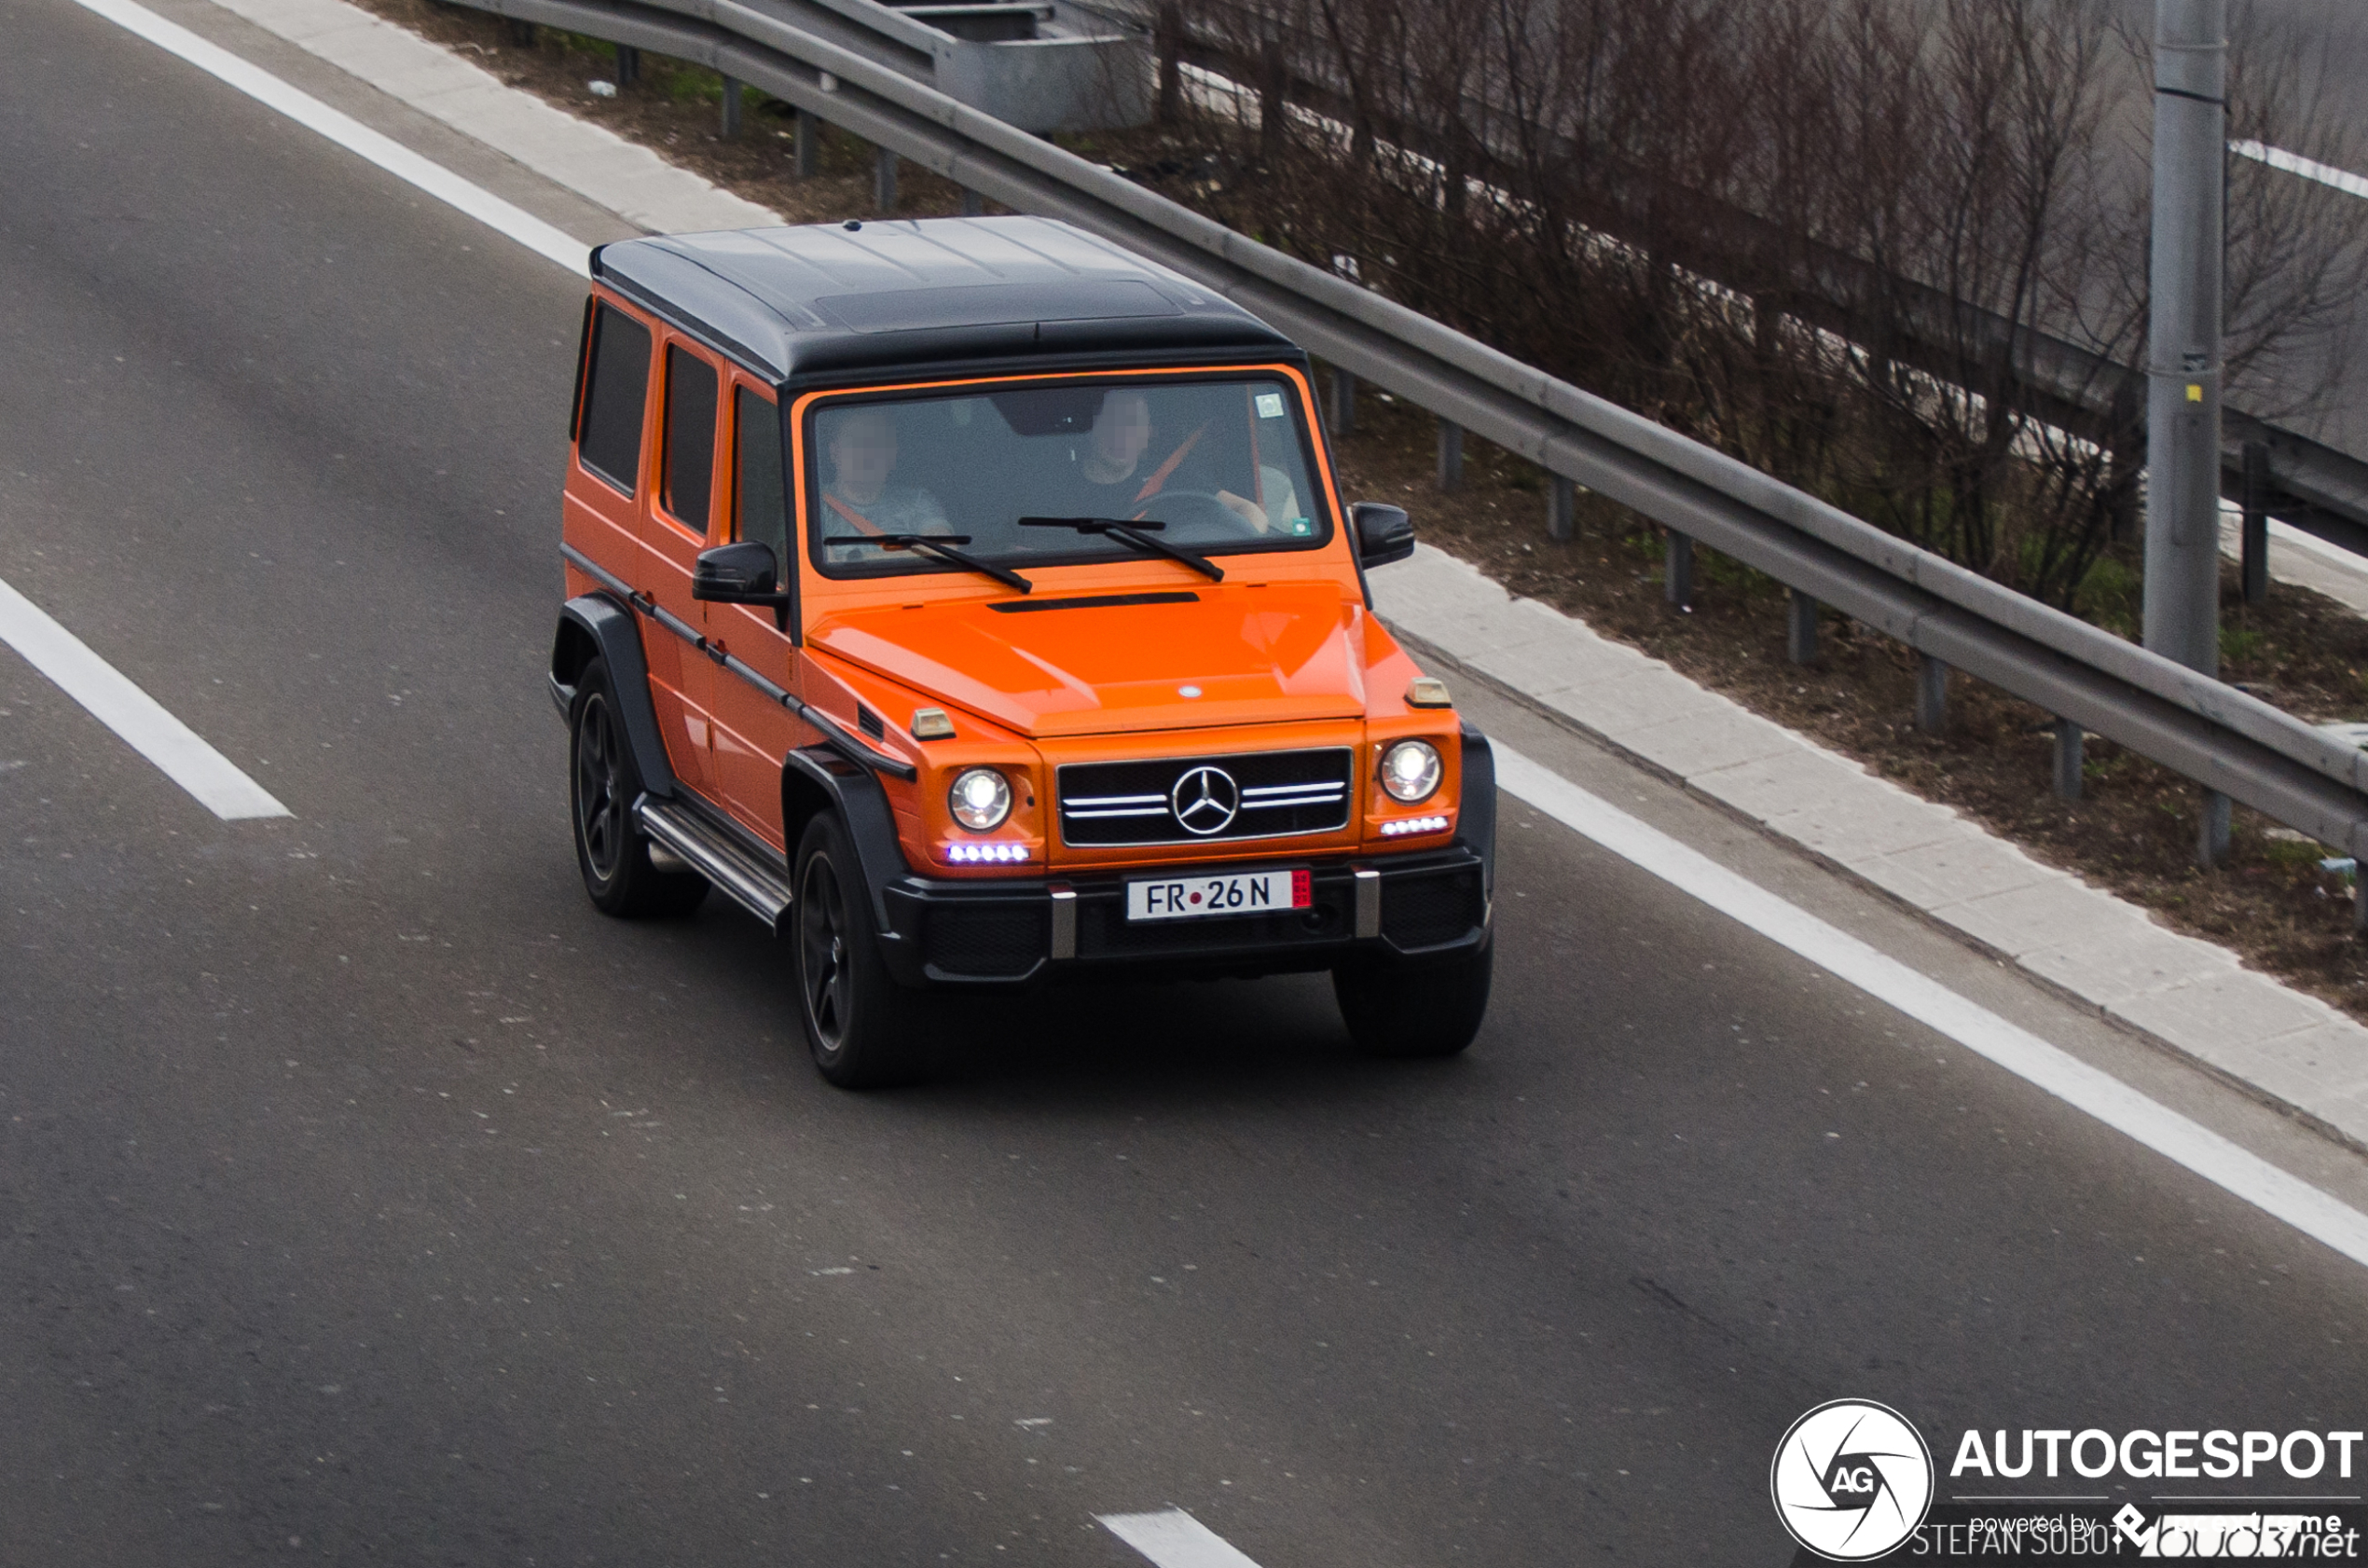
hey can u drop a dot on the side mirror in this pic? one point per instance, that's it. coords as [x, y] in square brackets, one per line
[740, 574]
[1384, 533]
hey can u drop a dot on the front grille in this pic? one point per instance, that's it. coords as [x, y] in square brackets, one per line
[992, 940]
[1425, 911]
[1197, 800]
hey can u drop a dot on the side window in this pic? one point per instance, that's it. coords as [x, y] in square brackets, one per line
[760, 503]
[690, 437]
[609, 441]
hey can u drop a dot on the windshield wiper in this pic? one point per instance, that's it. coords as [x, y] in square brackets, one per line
[938, 545]
[1132, 532]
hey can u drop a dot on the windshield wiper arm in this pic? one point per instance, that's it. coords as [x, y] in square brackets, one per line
[941, 545]
[1132, 532]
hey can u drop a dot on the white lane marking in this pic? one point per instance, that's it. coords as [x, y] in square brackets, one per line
[2295, 163]
[130, 712]
[1174, 1539]
[2018, 1050]
[542, 239]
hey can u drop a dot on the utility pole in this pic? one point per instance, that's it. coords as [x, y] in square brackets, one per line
[2182, 358]
[2182, 366]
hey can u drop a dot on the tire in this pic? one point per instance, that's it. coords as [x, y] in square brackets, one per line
[602, 786]
[1413, 1010]
[866, 1031]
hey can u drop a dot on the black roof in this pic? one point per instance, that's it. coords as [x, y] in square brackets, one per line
[834, 297]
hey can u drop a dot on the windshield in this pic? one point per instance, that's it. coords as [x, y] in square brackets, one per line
[1209, 467]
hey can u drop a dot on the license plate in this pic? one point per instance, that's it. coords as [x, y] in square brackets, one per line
[1187, 898]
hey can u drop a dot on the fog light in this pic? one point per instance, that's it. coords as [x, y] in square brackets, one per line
[980, 799]
[1405, 825]
[1411, 771]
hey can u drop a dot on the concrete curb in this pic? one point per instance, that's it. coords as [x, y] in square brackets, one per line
[2081, 941]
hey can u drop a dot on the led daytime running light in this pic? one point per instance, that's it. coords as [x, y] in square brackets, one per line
[986, 854]
[1405, 825]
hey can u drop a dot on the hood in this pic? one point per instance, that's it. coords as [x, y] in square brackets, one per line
[1062, 665]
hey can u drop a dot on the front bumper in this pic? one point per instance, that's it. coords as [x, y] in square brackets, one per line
[1434, 903]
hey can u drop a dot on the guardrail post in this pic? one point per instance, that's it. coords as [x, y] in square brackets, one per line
[808, 152]
[731, 108]
[2359, 903]
[628, 66]
[2256, 530]
[884, 181]
[973, 204]
[1800, 626]
[1932, 693]
[1561, 508]
[1677, 571]
[2070, 744]
[522, 34]
[2212, 833]
[1342, 414]
[1451, 455]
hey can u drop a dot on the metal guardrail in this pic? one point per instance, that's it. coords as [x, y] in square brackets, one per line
[2210, 732]
[2314, 486]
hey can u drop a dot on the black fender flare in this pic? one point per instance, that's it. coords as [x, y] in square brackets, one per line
[862, 805]
[1475, 818]
[594, 624]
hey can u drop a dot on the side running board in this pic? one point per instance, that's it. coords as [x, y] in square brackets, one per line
[757, 887]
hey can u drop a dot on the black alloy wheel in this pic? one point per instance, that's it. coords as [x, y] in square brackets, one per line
[822, 974]
[866, 1032]
[599, 793]
[602, 786]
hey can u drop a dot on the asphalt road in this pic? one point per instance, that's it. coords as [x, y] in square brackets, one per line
[364, 1193]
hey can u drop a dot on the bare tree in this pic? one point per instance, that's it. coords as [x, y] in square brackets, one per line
[1891, 251]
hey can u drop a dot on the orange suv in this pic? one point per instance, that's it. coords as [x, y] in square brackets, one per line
[971, 602]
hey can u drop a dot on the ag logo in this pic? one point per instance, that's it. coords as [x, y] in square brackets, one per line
[1205, 801]
[1851, 1480]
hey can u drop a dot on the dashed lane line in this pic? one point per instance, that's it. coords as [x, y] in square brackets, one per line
[1174, 1539]
[544, 239]
[142, 720]
[2217, 1160]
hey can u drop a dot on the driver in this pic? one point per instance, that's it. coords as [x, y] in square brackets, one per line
[859, 499]
[1112, 481]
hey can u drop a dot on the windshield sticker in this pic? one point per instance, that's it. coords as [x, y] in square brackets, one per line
[1269, 405]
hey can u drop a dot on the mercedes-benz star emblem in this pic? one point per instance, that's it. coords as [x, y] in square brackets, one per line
[1205, 801]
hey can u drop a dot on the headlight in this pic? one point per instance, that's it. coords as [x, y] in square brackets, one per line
[981, 798]
[1411, 771]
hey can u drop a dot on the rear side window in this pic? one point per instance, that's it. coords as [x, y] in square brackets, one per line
[609, 442]
[759, 501]
[690, 437]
